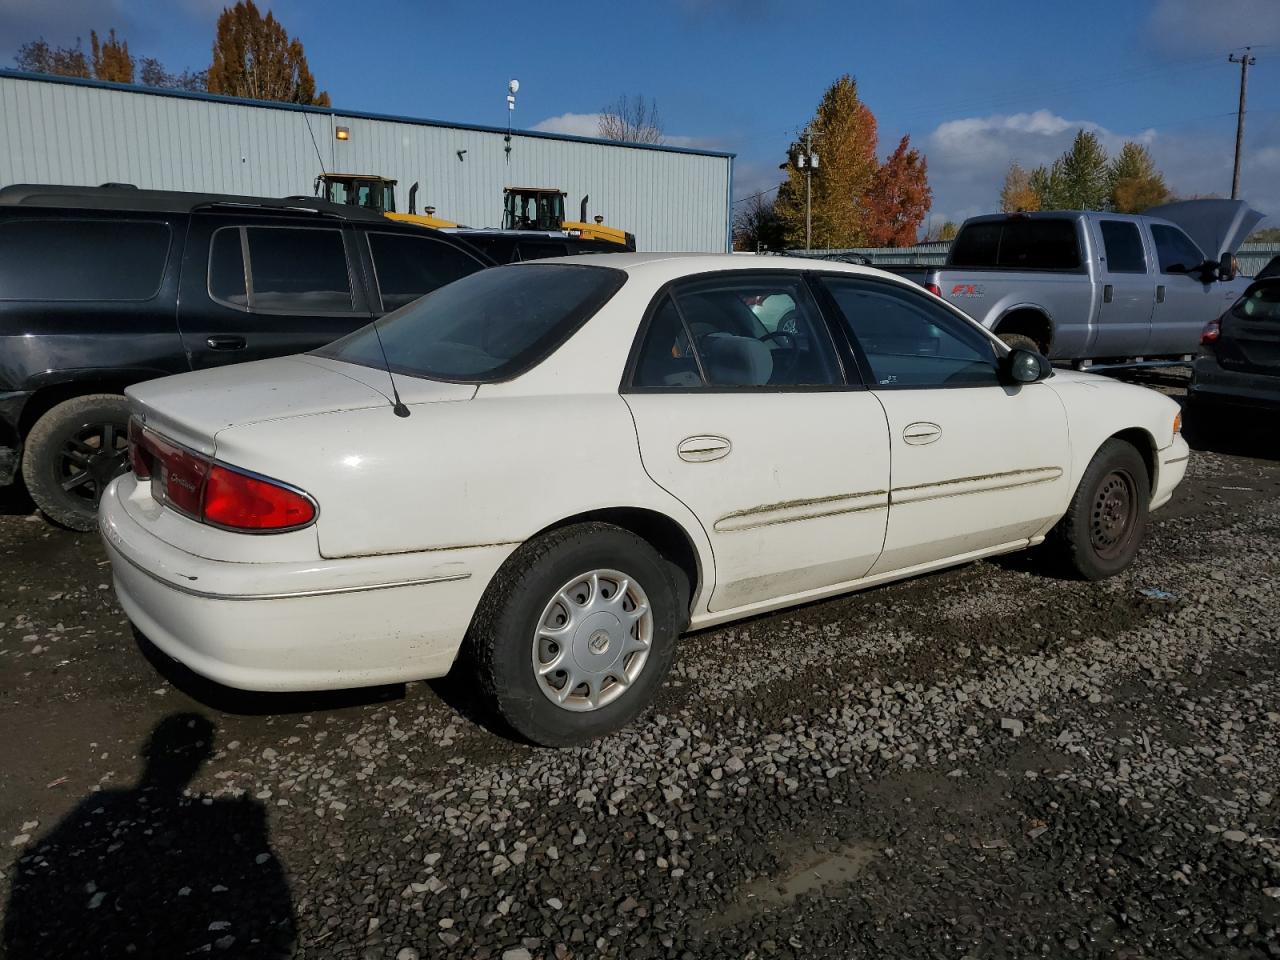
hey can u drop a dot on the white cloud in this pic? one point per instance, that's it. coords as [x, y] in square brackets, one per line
[968, 158]
[1185, 27]
[588, 125]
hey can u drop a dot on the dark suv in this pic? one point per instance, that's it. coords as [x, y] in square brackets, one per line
[102, 287]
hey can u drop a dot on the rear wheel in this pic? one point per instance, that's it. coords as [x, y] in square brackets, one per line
[72, 453]
[576, 633]
[1107, 519]
[1019, 341]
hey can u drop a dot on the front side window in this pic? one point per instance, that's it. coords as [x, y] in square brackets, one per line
[1123, 245]
[82, 260]
[910, 341]
[492, 325]
[409, 267]
[1174, 250]
[739, 330]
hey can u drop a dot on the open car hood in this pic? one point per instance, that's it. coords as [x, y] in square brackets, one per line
[1217, 226]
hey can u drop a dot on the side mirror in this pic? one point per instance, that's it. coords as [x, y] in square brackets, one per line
[1226, 266]
[1026, 366]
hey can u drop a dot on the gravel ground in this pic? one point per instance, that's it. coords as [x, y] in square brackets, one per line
[988, 762]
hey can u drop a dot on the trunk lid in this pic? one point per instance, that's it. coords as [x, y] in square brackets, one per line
[192, 408]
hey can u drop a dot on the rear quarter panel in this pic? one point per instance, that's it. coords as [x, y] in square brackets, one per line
[989, 296]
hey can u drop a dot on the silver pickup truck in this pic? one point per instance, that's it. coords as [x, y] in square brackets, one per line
[1089, 287]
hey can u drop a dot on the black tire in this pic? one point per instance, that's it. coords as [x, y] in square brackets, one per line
[500, 643]
[1019, 341]
[1106, 522]
[65, 460]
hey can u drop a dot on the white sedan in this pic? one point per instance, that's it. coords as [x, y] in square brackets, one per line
[551, 470]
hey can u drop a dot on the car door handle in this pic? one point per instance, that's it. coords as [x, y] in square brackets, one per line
[1160, 293]
[1108, 293]
[226, 343]
[703, 449]
[922, 432]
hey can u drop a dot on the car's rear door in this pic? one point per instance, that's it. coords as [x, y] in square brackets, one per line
[266, 287]
[1128, 289]
[976, 463]
[757, 431]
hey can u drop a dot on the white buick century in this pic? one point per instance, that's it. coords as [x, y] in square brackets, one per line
[548, 471]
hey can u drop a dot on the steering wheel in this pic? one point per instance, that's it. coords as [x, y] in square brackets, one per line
[788, 349]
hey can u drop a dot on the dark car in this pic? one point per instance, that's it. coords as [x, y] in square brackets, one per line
[514, 246]
[1239, 361]
[102, 287]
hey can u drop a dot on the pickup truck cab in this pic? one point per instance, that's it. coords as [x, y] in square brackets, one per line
[105, 287]
[1087, 286]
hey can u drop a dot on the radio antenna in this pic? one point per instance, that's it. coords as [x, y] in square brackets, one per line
[397, 406]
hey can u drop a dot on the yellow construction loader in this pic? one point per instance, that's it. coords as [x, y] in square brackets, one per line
[542, 209]
[372, 192]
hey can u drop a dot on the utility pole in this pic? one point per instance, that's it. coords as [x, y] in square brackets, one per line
[1245, 61]
[807, 161]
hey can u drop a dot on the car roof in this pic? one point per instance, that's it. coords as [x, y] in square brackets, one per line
[125, 197]
[692, 264]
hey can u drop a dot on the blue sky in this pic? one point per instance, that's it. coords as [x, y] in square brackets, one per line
[974, 83]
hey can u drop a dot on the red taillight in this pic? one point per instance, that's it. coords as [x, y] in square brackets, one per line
[934, 289]
[1211, 332]
[242, 502]
[206, 491]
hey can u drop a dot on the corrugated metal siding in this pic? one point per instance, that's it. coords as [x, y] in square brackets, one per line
[76, 134]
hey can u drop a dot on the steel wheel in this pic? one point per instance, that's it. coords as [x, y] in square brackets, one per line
[91, 458]
[592, 640]
[1115, 508]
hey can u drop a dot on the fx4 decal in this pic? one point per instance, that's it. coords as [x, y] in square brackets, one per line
[967, 290]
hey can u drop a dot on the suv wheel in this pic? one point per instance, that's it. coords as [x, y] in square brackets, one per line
[576, 633]
[72, 453]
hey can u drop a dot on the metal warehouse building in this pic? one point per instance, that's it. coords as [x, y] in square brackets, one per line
[62, 130]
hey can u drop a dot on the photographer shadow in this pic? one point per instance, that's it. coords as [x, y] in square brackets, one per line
[153, 871]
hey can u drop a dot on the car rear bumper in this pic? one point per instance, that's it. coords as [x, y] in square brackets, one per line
[263, 626]
[1171, 470]
[1211, 381]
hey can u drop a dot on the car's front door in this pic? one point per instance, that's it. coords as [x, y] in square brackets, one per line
[976, 463]
[1128, 291]
[256, 290]
[756, 430]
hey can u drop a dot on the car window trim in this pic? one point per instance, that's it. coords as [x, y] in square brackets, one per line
[996, 344]
[628, 385]
[164, 269]
[249, 308]
[373, 260]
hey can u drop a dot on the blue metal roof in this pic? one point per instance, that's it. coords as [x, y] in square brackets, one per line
[334, 111]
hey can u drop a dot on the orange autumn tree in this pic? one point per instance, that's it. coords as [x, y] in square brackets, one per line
[898, 198]
[254, 57]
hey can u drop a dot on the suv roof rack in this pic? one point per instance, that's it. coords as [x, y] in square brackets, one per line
[128, 197]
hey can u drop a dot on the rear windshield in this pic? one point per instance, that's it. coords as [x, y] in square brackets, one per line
[492, 325]
[1023, 243]
[1260, 302]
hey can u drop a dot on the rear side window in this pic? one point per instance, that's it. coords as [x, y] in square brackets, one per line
[1123, 245]
[82, 259]
[1024, 243]
[289, 270]
[911, 341]
[1260, 302]
[1174, 249]
[410, 267]
[492, 325]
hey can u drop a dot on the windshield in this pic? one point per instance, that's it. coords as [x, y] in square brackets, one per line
[492, 325]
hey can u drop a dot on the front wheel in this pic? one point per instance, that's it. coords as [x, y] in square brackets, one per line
[1106, 521]
[576, 633]
[72, 453]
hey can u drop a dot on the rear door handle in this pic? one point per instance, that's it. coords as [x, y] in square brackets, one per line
[1160, 293]
[226, 343]
[922, 432]
[703, 449]
[1108, 293]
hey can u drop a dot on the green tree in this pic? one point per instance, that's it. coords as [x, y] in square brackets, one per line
[254, 57]
[1080, 179]
[111, 60]
[1136, 184]
[1018, 193]
[948, 231]
[843, 134]
[37, 56]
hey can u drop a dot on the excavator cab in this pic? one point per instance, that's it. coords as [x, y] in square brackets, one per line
[368, 191]
[532, 208]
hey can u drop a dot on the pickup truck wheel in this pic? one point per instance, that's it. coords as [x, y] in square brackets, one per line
[1106, 521]
[1019, 341]
[72, 453]
[576, 633]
